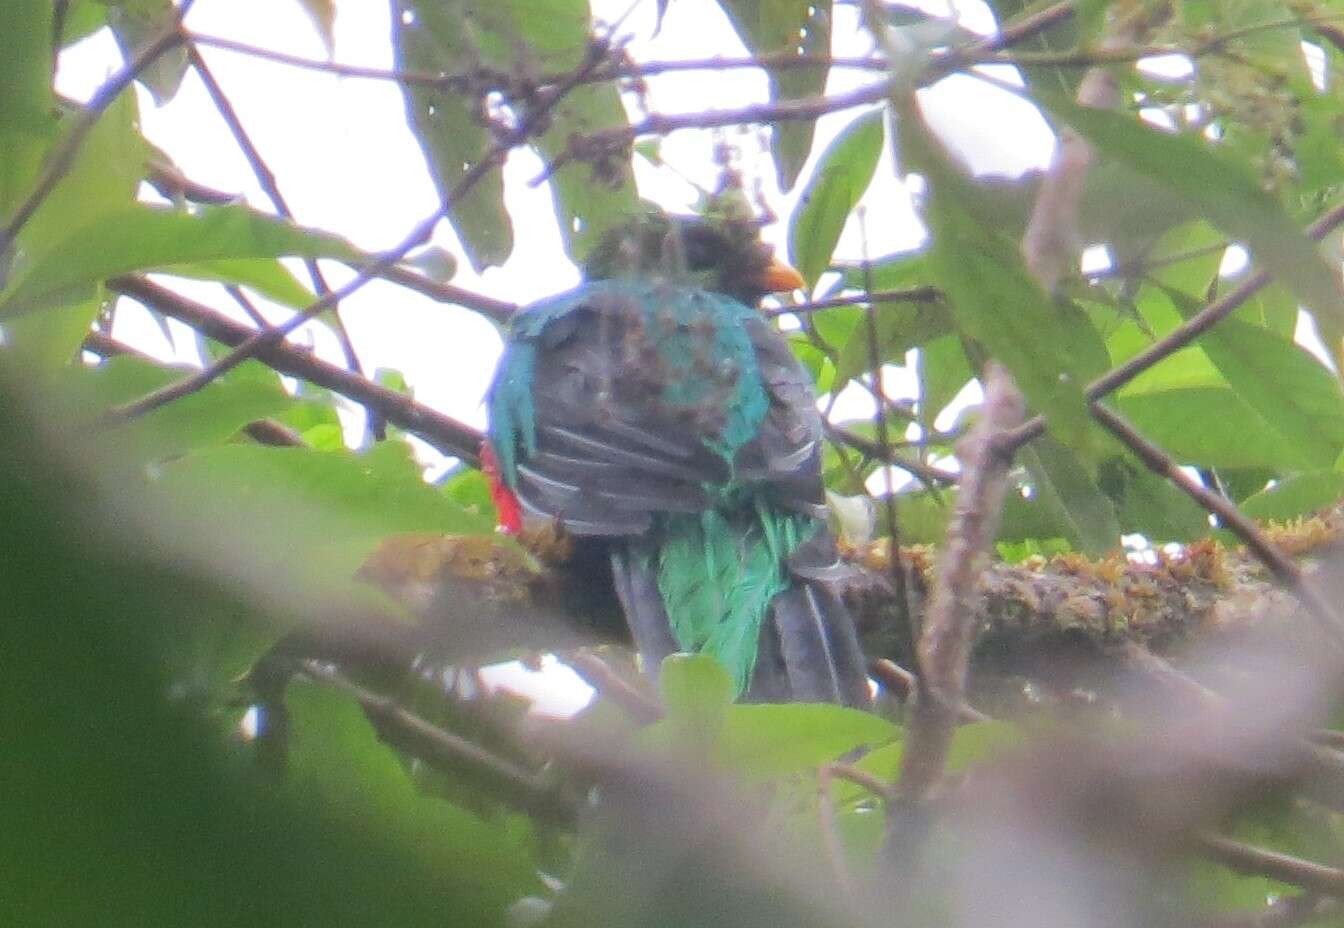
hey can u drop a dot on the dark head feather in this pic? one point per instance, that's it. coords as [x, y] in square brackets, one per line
[724, 255]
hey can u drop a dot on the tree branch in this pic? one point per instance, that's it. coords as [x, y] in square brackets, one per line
[1255, 861]
[498, 310]
[1182, 335]
[929, 294]
[493, 157]
[948, 629]
[1282, 566]
[448, 752]
[444, 433]
[600, 144]
[594, 671]
[475, 78]
[924, 472]
[269, 185]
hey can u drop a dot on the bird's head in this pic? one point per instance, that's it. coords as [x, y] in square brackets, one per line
[717, 253]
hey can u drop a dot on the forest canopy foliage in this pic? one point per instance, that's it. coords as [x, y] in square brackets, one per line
[235, 657]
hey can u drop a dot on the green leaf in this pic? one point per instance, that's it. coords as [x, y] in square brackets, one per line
[342, 503]
[900, 327]
[841, 177]
[26, 102]
[1196, 274]
[470, 489]
[82, 19]
[1317, 149]
[980, 741]
[266, 276]
[144, 237]
[993, 297]
[1281, 381]
[697, 692]
[589, 199]
[1190, 422]
[1296, 496]
[338, 767]
[434, 262]
[207, 417]
[1065, 35]
[943, 372]
[547, 36]
[51, 339]
[323, 15]
[138, 23]
[103, 179]
[786, 27]
[1149, 504]
[1128, 210]
[771, 741]
[393, 379]
[138, 803]
[1223, 191]
[891, 272]
[1066, 488]
[431, 37]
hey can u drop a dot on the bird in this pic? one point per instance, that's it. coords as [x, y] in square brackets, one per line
[655, 411]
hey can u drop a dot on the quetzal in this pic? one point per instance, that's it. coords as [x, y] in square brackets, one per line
[655, 410]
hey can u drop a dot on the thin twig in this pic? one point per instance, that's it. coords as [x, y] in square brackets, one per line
[1182, 335]
[1284, 569]
[173, 185]
[911, 295]
[466, 80]
[907, 631]
[619, 138]
[925, 472]
[247, 306]
[260, 341]
[267, 338]
[63, 158]
[1255, 861]
[276, 434]
[451, 753]
[443, 432]
[598, 674]
[1028, 26]
[104, 345]
[498, 310]
[860, 778]
[271, 187]
[830, 826]
[905, 685]
[1011, 34]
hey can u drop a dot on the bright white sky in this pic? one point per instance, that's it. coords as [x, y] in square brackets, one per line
[346, 162]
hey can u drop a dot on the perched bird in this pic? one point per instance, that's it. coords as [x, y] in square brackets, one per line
[656, 412]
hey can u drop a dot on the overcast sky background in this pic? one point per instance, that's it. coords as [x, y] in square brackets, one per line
[346, 161]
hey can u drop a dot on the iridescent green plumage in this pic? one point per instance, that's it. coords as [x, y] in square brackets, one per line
[719, 571]
[673, 421]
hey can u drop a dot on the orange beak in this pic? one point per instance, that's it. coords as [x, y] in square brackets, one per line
[778, 277]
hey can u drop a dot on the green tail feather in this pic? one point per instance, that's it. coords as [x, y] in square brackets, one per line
[718, 572]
